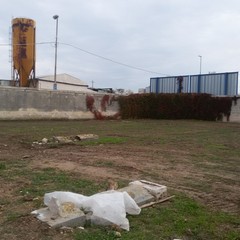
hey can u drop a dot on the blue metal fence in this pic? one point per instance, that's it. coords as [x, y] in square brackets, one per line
[216, 83]
[168, 84]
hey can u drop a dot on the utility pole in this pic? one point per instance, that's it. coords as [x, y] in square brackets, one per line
[55, 17]
[200, 63]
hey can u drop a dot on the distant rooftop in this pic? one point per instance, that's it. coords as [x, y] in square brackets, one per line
[63, 78]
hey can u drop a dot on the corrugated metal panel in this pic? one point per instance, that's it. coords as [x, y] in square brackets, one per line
[216, 84]
[232, 84]
[212, 84]
[153, 85]
[6, 83]
[193, 84]
[185, 84]
[168, 84]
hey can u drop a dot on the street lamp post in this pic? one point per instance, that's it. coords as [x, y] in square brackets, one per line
[200, 63]
[55, 17]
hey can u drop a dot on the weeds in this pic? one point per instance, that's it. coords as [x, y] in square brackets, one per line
[3, 166]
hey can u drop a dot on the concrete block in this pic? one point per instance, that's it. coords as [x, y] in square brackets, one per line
[72, 220]
[145, 192]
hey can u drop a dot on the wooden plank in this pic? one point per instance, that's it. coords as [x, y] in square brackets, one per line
[157, 202]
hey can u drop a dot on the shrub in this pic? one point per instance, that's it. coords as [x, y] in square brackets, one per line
[175, 106]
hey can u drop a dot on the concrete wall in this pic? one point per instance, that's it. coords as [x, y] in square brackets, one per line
[235, 113]
[28, 103]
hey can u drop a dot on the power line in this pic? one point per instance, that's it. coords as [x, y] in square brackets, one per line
[111, 60]
[93, 54]
[24, 44]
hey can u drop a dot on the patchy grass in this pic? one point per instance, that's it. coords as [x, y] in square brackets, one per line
[104, 164]
[199, 162]
[2, 166]
[103, 140]
[181, 218]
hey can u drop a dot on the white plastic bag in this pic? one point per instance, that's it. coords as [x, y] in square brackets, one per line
[63, 197]
[108, 207]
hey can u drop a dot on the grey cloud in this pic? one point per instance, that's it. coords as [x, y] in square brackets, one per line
[159, 35]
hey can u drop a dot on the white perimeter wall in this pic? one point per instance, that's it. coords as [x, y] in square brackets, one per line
[27, 103]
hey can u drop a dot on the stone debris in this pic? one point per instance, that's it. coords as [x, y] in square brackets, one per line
[44, 140]
[84, 137]
[66, 209]
[72, 220]
[65, 229]
[61, 139]
[67, 139]
[117, 234]
[144, 192]
[81, 228]
[72, 209]
[111, 184]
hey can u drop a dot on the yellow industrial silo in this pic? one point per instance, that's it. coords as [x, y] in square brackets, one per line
[24, 51]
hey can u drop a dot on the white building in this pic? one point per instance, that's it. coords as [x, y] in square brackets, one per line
[65, 82]
[144, 90]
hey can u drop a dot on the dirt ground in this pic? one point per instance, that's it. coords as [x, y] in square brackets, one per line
[120, 162]
[133, 163]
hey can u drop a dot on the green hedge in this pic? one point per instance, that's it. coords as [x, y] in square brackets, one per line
[175, 106]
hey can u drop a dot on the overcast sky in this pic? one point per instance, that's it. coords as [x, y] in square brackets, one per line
[164, 37]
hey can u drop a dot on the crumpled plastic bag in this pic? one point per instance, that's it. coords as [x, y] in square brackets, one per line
[108, 207]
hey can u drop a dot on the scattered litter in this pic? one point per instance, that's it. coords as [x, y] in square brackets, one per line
[36, 199]
[61, 139]
[67, 139]
[66, 228]
[104, 208]
[109, 208]
[117, 234]
[82, 137]
[44, 140]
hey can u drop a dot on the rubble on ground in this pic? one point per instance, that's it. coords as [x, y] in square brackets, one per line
[67, 209]
[144, 192]
[67, 139]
